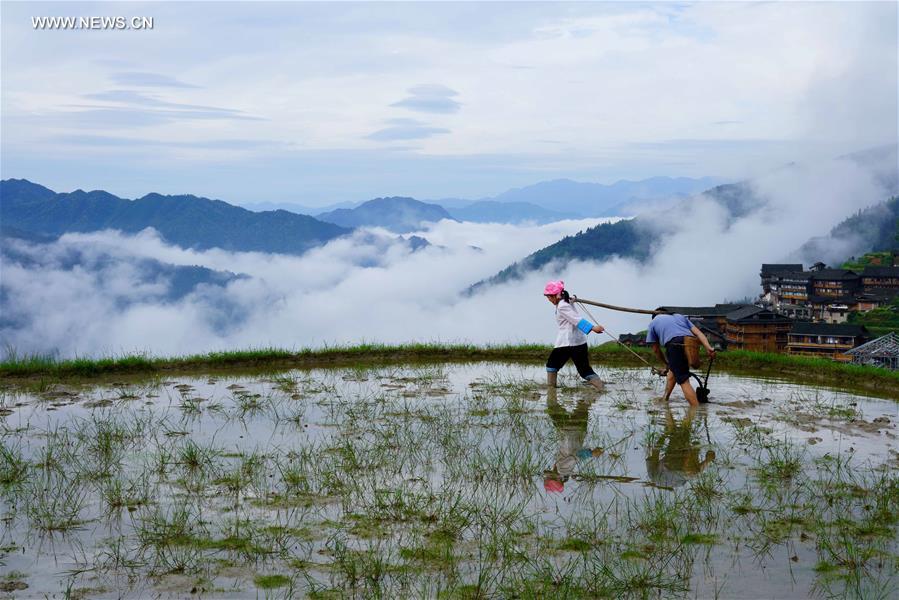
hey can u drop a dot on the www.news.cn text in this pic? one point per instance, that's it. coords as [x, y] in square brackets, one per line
[102, 23]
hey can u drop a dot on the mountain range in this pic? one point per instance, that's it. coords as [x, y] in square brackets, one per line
[588, 199]
[33, 217]
[542, 202]
[397, 214]
[185, 220]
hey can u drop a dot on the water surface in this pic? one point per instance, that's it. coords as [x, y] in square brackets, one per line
[449, 480]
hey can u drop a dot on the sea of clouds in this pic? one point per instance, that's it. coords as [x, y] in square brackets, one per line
[369, 288]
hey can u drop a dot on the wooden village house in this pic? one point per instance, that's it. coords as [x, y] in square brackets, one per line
[827, 340]
[772, 274]
[789, 293]
[758, 329]
[836, 283]
[873, 278]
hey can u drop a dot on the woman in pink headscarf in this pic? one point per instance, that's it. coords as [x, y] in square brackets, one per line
[571, 340]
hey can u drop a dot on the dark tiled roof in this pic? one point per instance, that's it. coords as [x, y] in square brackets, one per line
[842, 329]
[755, 314]
[835, 275]
[795, 275]
[743, 313]
[881, 272]
[770, 269]
[719, 310]
[709, 325]
[707, 322]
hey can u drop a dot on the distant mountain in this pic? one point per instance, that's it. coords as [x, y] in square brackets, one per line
[629, 238]
[415, 242]
[451, 203]
[188, 221]
[542, 202]
[296, 208]
[600, 200]
[490, 211]
[397, 214]
[625, 238]
[874, 229]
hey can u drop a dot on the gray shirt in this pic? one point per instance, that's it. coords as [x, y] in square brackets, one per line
[665, 327]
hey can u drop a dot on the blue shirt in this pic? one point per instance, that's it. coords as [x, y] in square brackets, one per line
[665, 327]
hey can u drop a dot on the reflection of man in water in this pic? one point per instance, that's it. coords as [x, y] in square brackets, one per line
[674, 458]
[572, 429]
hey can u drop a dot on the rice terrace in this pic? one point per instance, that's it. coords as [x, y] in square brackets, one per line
[458, 479]
[449, 300]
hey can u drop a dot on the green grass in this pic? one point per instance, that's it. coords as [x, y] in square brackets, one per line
[869, 259]
[34, 365]
[805, 369]
[13, 466]
[269, 582]
[879, 331]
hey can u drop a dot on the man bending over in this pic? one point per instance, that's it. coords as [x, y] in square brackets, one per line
[670, 331]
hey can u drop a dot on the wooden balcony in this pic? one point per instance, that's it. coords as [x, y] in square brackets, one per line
[813, 345]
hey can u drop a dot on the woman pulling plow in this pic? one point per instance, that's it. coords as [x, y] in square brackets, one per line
[571, 339]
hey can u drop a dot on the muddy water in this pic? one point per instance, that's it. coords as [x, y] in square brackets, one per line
[773, 490]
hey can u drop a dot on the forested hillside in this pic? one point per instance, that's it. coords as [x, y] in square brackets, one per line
[188, 221]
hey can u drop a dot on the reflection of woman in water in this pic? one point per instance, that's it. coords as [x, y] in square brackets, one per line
[572, 429]
[674, 457]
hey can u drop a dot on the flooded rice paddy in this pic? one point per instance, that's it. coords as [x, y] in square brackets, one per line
[451, 481]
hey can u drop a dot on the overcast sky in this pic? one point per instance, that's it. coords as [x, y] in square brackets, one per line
[320, 103]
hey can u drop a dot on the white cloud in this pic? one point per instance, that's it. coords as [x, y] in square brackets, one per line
[322, 297]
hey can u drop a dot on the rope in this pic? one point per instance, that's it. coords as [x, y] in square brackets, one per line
[606, 331]
[643, 311]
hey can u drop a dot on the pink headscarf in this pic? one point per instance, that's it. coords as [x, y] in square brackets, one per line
[553, 485]
[554, 288]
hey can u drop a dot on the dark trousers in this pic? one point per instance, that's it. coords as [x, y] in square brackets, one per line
[559, 356]
[676, 356]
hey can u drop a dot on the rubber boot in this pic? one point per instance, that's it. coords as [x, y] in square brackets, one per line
[551, 379]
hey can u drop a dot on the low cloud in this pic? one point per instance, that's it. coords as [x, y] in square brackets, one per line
[133, 98]
[362, 287]
[430, 98]
[143, 79]
[140, 143]
[405, 129]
